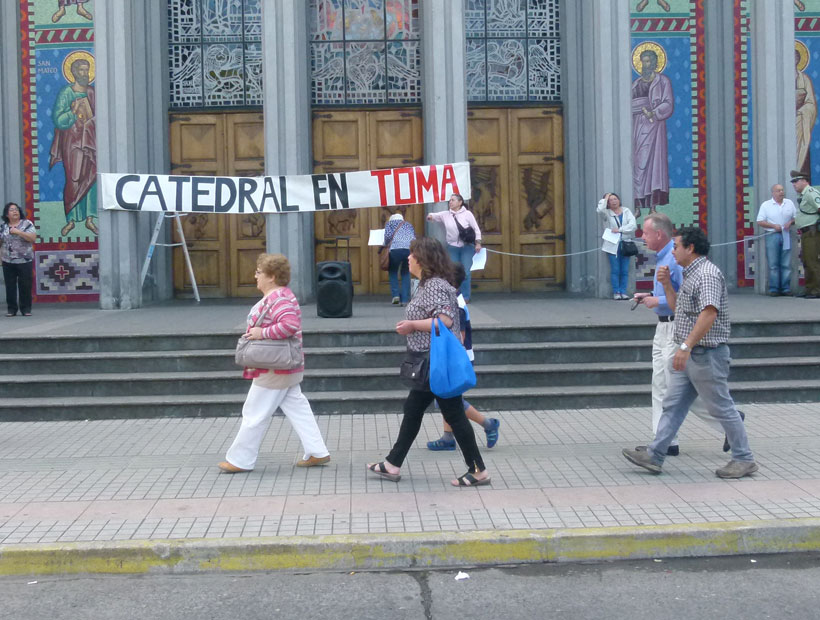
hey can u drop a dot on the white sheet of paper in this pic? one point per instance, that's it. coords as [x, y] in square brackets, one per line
[611, 236]
[479, 260]
[787, 239]
[376, 237]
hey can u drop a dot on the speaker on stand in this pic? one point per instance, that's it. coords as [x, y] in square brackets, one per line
[334, 286]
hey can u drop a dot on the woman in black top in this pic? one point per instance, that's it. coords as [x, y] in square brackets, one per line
[435, 298]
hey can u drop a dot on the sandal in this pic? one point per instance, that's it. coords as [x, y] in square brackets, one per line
[380, 470]
[441, 444]
[469, 480]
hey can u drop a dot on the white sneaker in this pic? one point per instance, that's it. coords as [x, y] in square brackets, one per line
[616, 297]
[395, 301]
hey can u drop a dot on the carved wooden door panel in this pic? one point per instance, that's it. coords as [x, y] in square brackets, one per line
[395, 138]
[198, 148]
[537, 199]
[517, 176]
[487, 137]
[340, 145]
[245, 146]
[345, 141]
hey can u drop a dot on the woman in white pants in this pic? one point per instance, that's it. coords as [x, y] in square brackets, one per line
[272, 389]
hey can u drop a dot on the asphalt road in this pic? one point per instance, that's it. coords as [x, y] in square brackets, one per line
[750, 588]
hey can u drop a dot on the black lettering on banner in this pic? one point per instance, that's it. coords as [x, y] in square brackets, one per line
[128, 178]
[179, 181]
[196, 193]
[269, 193]
[246, 189]
[338, 188]
[219, 205]
[152, 181]
[283, 190]
[316, 179]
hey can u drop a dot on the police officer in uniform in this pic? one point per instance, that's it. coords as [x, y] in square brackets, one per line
[807, 222]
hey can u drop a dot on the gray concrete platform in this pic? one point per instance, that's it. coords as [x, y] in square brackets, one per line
[376, 313]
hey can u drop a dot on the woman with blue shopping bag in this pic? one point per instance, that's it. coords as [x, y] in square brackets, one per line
[437, 372]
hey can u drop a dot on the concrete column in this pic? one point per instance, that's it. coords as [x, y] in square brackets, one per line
[11, 122]
[720, 136]
[286, 81]
[444, 91]
[132, 136]
[774, 145]
[595, 44]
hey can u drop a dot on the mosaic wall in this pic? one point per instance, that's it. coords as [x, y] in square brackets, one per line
[60, 147]
[365, 52]
[513, 50]
[215, 53]
[668, 112]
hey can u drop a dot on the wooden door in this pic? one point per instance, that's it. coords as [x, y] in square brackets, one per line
[245, 156]
[516, 158]
[223, 248]
[198, 149]
[345, 141]
[537, 199]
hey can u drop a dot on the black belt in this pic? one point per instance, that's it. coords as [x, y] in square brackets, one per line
[666, 319]
[808, 228]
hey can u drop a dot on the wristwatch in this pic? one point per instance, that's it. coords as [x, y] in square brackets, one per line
[684, 346]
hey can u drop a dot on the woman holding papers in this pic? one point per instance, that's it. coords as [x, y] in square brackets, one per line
[618, 225]
[463, 236]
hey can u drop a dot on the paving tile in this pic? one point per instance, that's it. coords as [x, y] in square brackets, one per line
[586, 496]
[317, 504]
[763, 490]
[707, 491]
[502, 498]
[52, 510]
[457, 499]
[119, 509]
[247, 506]
[377, 502]
[166, 508]
[7, 511]
[812, 487]
[644, 494]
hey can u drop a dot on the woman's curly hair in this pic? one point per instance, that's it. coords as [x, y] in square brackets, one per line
[432, 259]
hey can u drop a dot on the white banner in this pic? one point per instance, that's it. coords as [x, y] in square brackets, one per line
[285, 194]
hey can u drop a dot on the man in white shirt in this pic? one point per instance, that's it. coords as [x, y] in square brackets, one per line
[777, 216]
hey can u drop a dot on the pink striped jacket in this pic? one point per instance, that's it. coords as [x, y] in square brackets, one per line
[282, 319]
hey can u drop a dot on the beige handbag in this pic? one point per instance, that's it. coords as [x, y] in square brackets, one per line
[285, 354]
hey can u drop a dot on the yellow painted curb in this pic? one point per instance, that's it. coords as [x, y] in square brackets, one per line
[413, 550]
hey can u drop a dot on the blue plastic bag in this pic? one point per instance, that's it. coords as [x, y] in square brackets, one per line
[451, 373]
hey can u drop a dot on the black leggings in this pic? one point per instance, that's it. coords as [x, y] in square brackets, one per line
[453, 411]
[18, 276]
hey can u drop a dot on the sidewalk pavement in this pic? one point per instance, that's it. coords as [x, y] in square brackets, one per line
[146, 495]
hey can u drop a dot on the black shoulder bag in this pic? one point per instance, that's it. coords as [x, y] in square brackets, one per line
[467, 235]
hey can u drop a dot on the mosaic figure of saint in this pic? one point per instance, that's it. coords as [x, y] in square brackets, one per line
[806, 104]
[81, 10]
[652, 103]
[75, 141]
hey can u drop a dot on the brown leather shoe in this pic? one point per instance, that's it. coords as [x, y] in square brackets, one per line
[313, 461]
[228, 468]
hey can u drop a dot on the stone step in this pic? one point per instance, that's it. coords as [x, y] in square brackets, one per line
[373, 379]
[383, 401]
[204, 360]
[334, 338]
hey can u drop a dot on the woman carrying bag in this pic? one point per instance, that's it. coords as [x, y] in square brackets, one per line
[276, 316]
[398, 233]
[618, 220]
[434, 299]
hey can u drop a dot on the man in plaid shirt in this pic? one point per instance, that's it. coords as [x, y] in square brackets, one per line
[700, 367]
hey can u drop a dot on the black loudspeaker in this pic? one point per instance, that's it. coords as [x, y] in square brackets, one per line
[334, 289]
